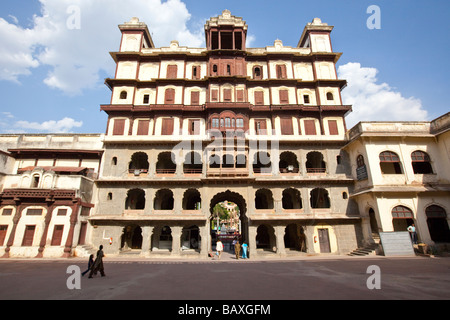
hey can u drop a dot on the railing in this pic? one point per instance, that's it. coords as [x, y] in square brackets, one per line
[289, 170]
[192, 171]
[137, 171]
[231, 172]
[165, 171]
[316, 170]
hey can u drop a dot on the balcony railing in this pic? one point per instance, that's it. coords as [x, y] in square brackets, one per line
[166, 171]
[315, 170]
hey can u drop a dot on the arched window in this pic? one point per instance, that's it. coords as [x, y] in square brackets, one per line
[123, 95]
[330, 96]
[135, 199]
[263, 199]
[315, 163]
[169, 96]
[421, 162]
[319, 198]
[402, 217]
[163, 200]
[257, 72]
[390, 163]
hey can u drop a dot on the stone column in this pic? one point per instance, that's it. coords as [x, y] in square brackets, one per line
[146, 240]
[73, 222]
[252, 242]
[176, 240]
[48, 217]
[205, 240]
[279, 233]
[16, 218]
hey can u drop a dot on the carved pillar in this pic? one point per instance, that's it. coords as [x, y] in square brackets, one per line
[48, 218]
[73, 223]
[176, 240]
[147, 232]
[252, 241]
[279, 233]
[204, 234]
[16, 219]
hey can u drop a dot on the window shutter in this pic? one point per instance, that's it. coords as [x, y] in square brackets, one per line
[194, 127]
[143, 127]
[195, 98]
[261, 126]
[259, 97]
[119, 125]
[284, 96]
[28, 236]
[286, 126]
[57, 235]
[332, 126]
[310, 127]
[240, 95]
[214, 95]
[227, 95]
[281, 71]
[172, 71]
[3, 230]
[169, 96]
[167, 126]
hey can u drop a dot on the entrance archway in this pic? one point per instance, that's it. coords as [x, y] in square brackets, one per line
[265, 238]
[131, 238]
[294, 238]
[228, 219]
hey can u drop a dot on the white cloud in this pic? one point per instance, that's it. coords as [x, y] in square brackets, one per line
[60, 126]
[78, 56]
[372, 101]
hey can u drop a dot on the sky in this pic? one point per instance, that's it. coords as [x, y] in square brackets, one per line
[54, 54]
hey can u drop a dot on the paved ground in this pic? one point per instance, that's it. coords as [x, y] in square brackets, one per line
[228, 279]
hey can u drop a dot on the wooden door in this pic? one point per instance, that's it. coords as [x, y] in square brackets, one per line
[82, 237]
[324, 241]
[57, 235]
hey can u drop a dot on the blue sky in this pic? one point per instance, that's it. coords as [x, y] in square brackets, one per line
[52, 77]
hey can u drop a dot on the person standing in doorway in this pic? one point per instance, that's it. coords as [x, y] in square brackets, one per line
[98, 264]
[413, 233]
[219, 248]
[244, 250]
[237, 249]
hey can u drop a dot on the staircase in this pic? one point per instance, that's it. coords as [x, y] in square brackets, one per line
[369, 249]
[84, 250]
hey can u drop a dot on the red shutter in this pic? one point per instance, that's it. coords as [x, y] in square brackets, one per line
[196, 72]
[227, 95]
[284, 96]
[28, 236]
[286, 126]
[169, 96]
[3, 230]
[57, 235]
[142, 127]
[332, 125]
[194, 127]
[310, 127]
[259, 97]
[240, 95]
[167, 126]
[214, 95]
[261, 126]
[82, 237]
[172, 71]
[281, 71]
[195, 98]
[119, 125]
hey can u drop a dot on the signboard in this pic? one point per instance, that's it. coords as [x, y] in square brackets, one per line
[397, 243]
[361, 173]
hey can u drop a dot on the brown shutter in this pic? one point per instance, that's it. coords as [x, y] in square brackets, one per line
[214, 95]
[57, 235]
[143, 127]
[240, 95]
[332, 125]
[310, 127]
[261, 126]
[167, 126]
[169, 96]
[259, 97]
[119, 125]
[172, 71]
[28, 236]
[227, 95]
[284, 96]
[3, 230]
[82, 237]
[194, 127]
[281, 71]
[196, 72]
[286, 126]
[195, 98]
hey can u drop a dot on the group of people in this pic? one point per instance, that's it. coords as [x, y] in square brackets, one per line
[96, 265]
[237, 249]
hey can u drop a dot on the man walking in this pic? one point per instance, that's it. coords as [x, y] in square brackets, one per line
[98, 264]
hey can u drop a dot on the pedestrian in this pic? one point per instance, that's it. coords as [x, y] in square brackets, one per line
[412, 233]
[244, 250]
[219, 248]
[90, 264]
[233, 243]
[237, 249]
[98, 263]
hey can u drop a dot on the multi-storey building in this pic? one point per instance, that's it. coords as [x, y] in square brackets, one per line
[260, 131]
[401, 175]
[191, 127]
[46, 192]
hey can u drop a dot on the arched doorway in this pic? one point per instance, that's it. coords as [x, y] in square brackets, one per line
[265, 238]
[294, 238]
[228, 220]
[131, 238]
[190, 238]
[437, 223]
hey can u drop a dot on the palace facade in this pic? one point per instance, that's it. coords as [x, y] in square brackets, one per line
[260, 128]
